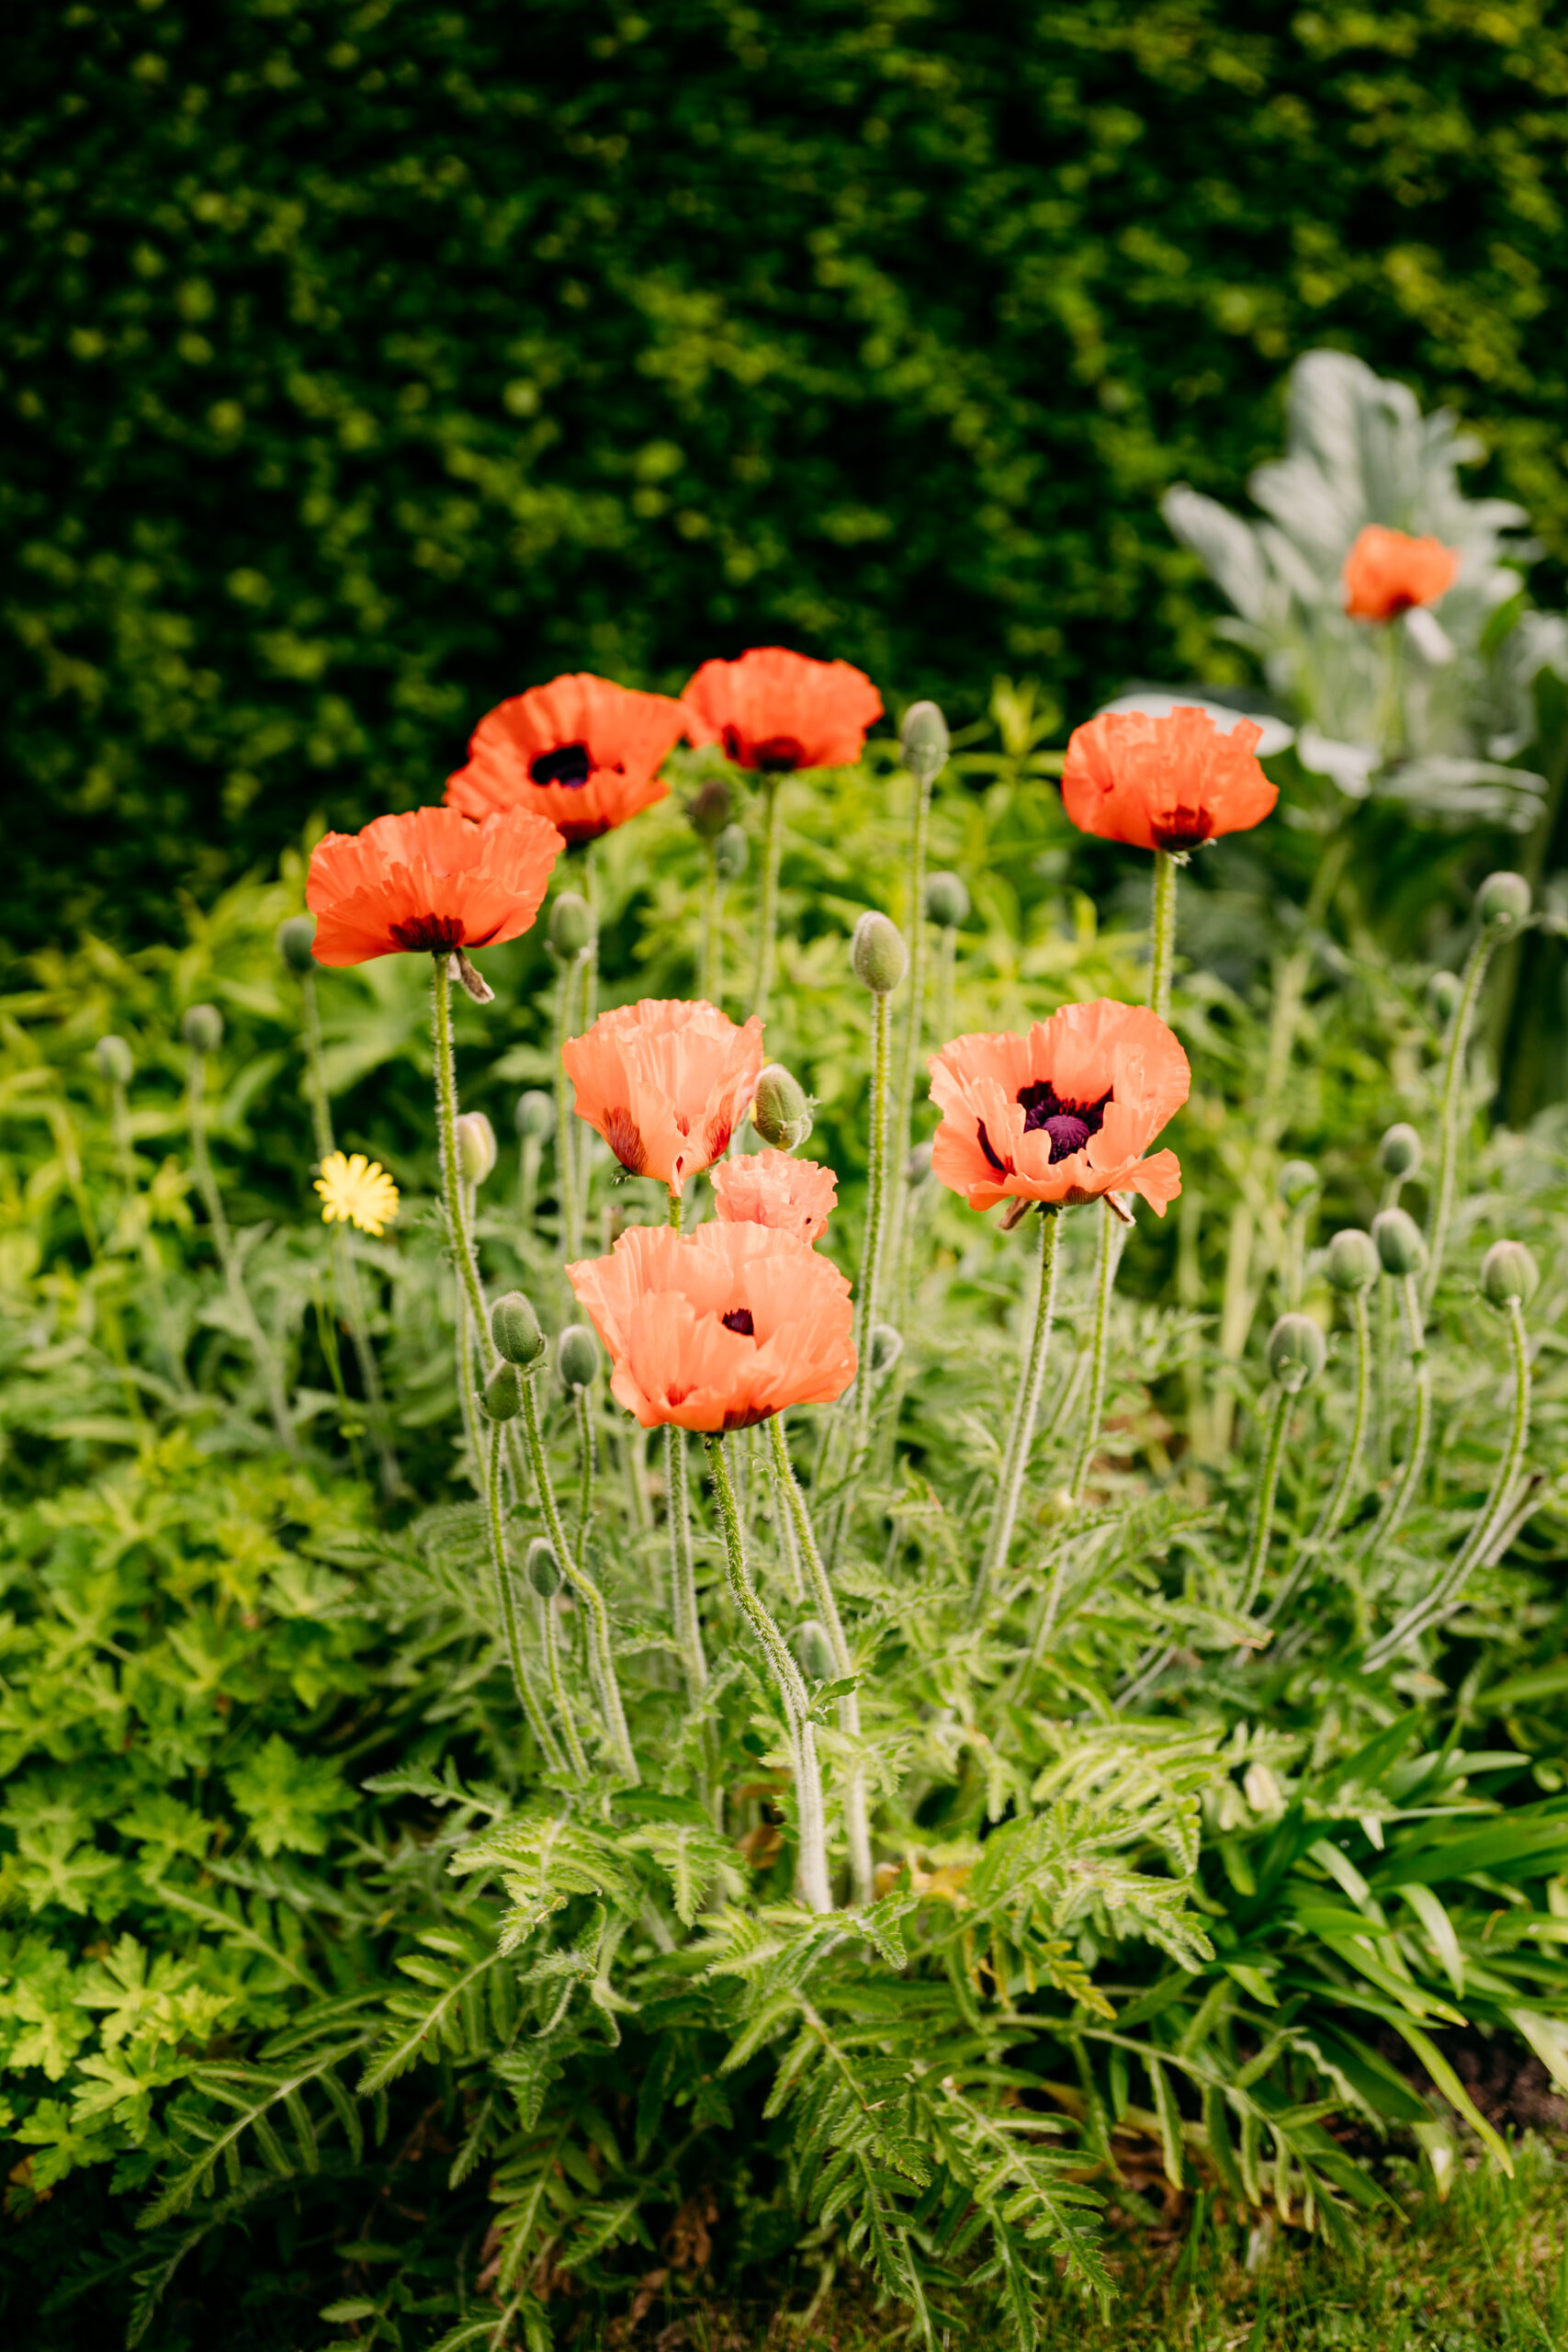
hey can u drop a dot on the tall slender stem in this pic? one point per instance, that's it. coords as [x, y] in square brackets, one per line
[1267, 1487]
[876, 1205]
[1453, 1092]
[909, 1060]
[1162, 932]
[549, 1639]
[1025, 1407]
[506, 1602]
[1393, 1513]
[713, 935]
[1314, 1546]
[768, 912]
[565, 1187]
[601, 1652]
[1107, 1258]
[683, 1571]
[946, 962]
[451, 1166]
[587, 1464]
[809, 1808]
[262, 1350]
[855, 1821]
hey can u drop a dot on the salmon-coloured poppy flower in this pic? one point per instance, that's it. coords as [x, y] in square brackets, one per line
[581, 752]
[771, 1188]
[1064, 1113]
[1387, 573]
[428, 880]
[719, 1329]
[776, 711]
[666, 1083]
[1165, 783]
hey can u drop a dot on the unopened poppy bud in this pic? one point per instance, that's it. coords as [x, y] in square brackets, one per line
[925, 740]
[1297, 1181]
[1510, 1274]
[731, 853]
[476, 1147]
[878, 954]
[536, 1114]
[514, 1327]
[1503, 901]
[1442, 996]
[947, 901]
[813, 1650]
[202, 1028]
[887, 1347]
[780, 1112]
[917, 1167]
[542, 1568]
[1352, 1261]
[571, 925]
[503, 1393]
[709, 809]
[295, 938]
[1399, 1242]
[111, 1058]
[577, 1355]
[1399, 1154]
[1297, 1352]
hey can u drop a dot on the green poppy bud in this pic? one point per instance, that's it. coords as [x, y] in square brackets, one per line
[878, 954]
[514, 1327]
[947, 901]
[202, 1028]
[780, 1112]
[813, 1650]
[536, 1114]
[111, 1058]
[1399, 1154]
[1297, 1352]
[542, 1568]
[1399, 1242]
[295, 938]
[577, 1355]
[571, 925]
[731, 853]
[1510, 1274]
[476, 1147]
[1503, 901]
[887, 1347]
[1442, 996]
[1351, 1261]
[925, 740]
[710, 809]
[503, 1393]
[1296, 1183]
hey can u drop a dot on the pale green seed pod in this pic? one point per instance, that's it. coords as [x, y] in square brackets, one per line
[1510, 1274]
[731, 853]
[111, 1059]
[779, 1111]
[925, 740]
[710, 809]
[887, 1347]
[514, 1327]
[577, 1355]
[1399, 1242]
[1399, 1154]
[295, 938]
[202, 1028]
[1296, 1183]
[1297, 1352]
[947, 901]
[1442, 998]
[571, 926]
[1503, 901]
[476, 1147]
[878, 954]
[1350, 1261]
[542, 1568]
[503, 1393]
[536, 1114]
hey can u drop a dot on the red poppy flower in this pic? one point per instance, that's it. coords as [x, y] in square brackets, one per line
[1387, 573]
[581, 752]
[1064, 1113]
[776, 711]
[1165, 783]
[719, 1329]
[771, 1188]
[665, 1083]
[428, 880]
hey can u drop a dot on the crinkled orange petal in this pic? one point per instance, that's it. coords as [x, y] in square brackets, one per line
[666, 1083]
[1165, 783]
[428, 880]
[775, 711]
[1388, 572]
[771, 1188]
[625, 736]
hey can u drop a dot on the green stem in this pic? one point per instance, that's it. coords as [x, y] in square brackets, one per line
[877, 1207]
[506, 1601]
[1162, 932]
[587, 1465]
[904, 1101]
[1453, 1090]
[861, 1877]
[1025, 1407]
[713, 937]
[682, 1574]
[1393, 1513]
[1109, 1257]
[1267, 1487]
[809, 1809]
[549, 1638]
[261, 1347]
[946, 964]
[601, 1656]
[451, 1167]
[1332, 1511]
[566, 1188]
[768, 912]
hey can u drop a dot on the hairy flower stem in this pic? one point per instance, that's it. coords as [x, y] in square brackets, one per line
[261, 1347]
[855, 1821]
[1112, 1233]
[768, 912]
[506, 1602]
[566, 1173]
[1162, 932]
[549, 1639]
[1314, 1546]
[859, 1402]
[1492, 1518]
[587, 1456]
[472, 1325]
[908, 1060]
[1448, 1122]
[812, 1859]
[683, 1572]
[1267, 1487]
[601, 1653]
[1390, 1518]
[712, 981]
[1026, 1405]
[946, 962]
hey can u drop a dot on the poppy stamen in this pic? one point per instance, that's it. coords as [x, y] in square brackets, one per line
[1068, 1125]
[570, 763]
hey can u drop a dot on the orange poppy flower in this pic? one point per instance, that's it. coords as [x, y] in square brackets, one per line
[721, 1327]
[770, 1188]
[776, 711]
[1387, 571]
[1165, 783]
[428, 880]
[581, 752]
[1064, 1113]
[665, 1083]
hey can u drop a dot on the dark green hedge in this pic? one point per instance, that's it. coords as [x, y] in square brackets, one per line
[364, 363]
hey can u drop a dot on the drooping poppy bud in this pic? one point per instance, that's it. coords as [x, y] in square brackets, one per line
[111, 1058]
[542, 1568]
[202, 1028]
[731, 853]
[1350, 1261]
[1297, 1352]
[577, 1356]
[1503, 901]
[877, 954]
[514, 1327]
[476, 1147]
[925, 740]
[1296, 1183]
[710, 809]
[1509, 1275]
[1399, 1242]
[503, 1393]
[779, 1111]
[947, 901]
[296, 943]
[1442, 997]
[535, 1116]
[1399, 1154]
[571, 925]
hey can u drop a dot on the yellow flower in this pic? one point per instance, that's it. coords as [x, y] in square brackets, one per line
[357, 1190]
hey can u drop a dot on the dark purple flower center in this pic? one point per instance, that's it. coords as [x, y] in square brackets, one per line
[434, 934]
[1068, 1125]
[739, 1319]
[779, 755]
[1181, 828]
[570, 763]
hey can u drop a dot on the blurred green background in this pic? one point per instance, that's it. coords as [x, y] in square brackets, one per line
[363, 364]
